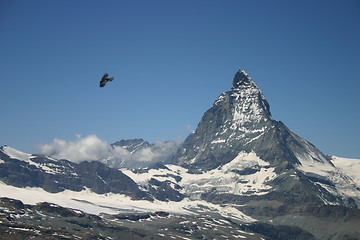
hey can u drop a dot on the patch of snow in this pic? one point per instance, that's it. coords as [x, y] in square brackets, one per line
[26, 157]
[311, 160]
[309, 165]
[143, 178]
[218, 141]
[239, 236]
[340, 171]
[110, 203]
[251, 140]
[16, 154]
[349, 166]
[244, 160]
[226, 180]
[25, 229]
[248, 107]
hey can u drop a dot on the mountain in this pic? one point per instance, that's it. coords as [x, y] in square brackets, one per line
[33, 170]
[240, 120]
[241, 174]
[239, 128]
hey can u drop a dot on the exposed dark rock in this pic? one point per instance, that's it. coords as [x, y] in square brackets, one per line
[280, 232]
[247, 171]
[55, 209]
[164, 191]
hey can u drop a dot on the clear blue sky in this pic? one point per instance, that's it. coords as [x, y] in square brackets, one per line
[171, 60]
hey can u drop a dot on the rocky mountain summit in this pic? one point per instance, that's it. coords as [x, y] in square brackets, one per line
[241, 174]
[240, 120]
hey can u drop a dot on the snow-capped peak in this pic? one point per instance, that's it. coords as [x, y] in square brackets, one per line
[246, 102]
[238, 117]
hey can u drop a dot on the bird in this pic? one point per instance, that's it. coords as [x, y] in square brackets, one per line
[105, 79]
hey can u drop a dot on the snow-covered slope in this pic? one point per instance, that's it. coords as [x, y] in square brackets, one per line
[247, 174]
[93, 203]
[349, 166]
[16, 154]
[48, 164]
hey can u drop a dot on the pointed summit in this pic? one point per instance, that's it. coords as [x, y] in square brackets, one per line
[246, 100]
[240, 121]
[242, 79]
[242, 107]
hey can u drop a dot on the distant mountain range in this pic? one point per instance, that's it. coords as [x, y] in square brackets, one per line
[240, 175]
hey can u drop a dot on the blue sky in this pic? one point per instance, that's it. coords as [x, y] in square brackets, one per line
[171, 60]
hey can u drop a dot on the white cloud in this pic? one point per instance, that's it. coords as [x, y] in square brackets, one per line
[160, 151]
[86, 148]
[92, 148]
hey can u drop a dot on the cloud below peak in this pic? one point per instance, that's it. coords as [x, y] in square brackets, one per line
[92, 148]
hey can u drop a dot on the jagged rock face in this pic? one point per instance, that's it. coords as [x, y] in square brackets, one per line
[240, 120]
[31, 170]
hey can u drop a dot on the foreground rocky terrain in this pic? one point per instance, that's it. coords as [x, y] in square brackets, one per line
[49, 221]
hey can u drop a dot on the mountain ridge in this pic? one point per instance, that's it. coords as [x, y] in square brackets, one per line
[239, 166]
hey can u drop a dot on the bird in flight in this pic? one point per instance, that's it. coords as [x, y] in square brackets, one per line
[105, 79]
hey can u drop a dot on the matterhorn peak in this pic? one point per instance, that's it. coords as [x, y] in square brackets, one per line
[240, 121]
[236, 119]
[246, 100]
[242, 79]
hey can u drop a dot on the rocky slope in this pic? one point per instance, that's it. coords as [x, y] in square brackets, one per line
[31, 170]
